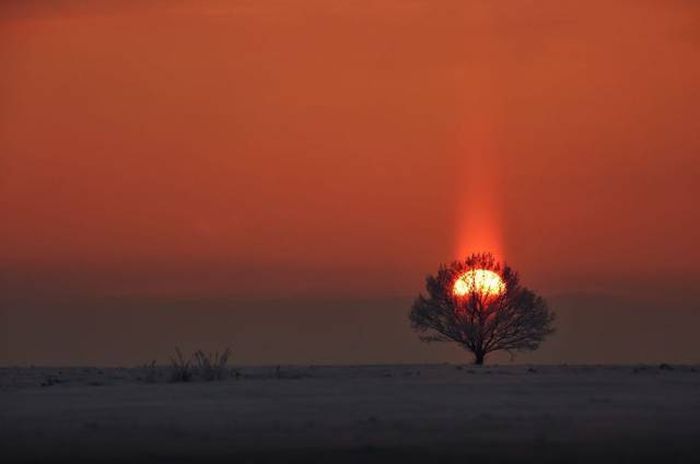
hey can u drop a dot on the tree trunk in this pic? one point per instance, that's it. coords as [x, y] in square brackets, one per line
[478, 359]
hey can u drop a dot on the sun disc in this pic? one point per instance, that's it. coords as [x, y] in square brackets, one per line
[481, 281]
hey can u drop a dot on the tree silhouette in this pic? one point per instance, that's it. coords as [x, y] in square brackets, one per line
[481, 319]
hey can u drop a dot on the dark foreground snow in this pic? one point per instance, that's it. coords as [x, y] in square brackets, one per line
[437, 413]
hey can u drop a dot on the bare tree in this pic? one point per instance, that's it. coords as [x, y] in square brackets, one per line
[481, 316]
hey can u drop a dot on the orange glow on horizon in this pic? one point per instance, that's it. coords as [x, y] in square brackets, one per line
[400, 136]
[482, 281]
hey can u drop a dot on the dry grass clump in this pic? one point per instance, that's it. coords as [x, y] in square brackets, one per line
[212, 366]
[181, 370]
[206, 366]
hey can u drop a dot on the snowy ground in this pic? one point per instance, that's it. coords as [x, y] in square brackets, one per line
[435, 413]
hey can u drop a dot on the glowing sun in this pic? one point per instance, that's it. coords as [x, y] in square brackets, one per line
[481, 281]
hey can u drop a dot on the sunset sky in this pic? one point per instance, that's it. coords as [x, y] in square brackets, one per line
[280, 176]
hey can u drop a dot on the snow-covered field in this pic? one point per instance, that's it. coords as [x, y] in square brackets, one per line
[421, 413]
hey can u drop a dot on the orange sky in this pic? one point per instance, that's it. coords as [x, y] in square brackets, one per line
[346, 148]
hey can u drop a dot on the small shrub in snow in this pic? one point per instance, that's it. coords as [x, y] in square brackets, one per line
[181, 367]
[212, 366]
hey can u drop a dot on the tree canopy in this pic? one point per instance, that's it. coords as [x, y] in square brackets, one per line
[479, 319]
